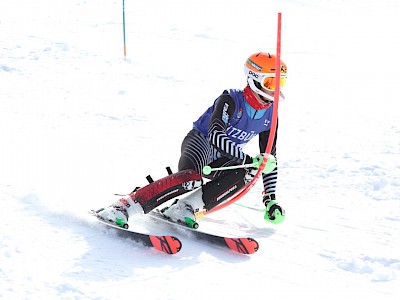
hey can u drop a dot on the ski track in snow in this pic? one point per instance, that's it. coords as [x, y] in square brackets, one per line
[79, 123]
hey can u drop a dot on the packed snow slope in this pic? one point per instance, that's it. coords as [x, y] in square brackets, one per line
[78, 123]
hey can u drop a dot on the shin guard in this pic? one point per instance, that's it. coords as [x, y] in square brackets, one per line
[220, 189]
[164, 189]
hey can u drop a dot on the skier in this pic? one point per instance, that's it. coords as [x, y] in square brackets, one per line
[217, 139]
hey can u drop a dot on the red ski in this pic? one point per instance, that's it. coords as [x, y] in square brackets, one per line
[244, 245]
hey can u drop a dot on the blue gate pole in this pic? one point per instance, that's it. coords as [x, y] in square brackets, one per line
[123, 26]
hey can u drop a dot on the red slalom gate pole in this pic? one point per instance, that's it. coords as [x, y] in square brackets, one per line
[272, 130]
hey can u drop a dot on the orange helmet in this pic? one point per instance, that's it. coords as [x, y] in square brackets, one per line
[260, 73]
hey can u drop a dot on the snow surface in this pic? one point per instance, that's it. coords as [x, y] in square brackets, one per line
[79, 123]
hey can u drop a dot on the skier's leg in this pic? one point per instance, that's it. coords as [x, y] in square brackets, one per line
[164, 189]
[210, 195]
[196, 152]
[220, 189]
[152, 195]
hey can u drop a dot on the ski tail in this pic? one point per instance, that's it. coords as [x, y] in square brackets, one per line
[166, 244]
[242, 245]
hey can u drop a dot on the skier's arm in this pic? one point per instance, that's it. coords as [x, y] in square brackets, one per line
[223, 110]
[263, 140]
[270, 179]
[274, 212]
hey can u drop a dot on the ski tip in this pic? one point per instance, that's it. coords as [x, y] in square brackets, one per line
[167, 244]
[242, 245]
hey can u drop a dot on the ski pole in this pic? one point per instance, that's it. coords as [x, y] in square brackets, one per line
[249, 207]
[270, 166]
[207, 169]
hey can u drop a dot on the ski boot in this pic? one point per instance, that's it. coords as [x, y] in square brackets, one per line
[118, 213]
[183, 210]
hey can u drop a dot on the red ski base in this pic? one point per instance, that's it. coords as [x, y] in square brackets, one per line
[242, 245]
[167, 244]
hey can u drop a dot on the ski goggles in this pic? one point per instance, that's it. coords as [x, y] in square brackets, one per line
[268, 81]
